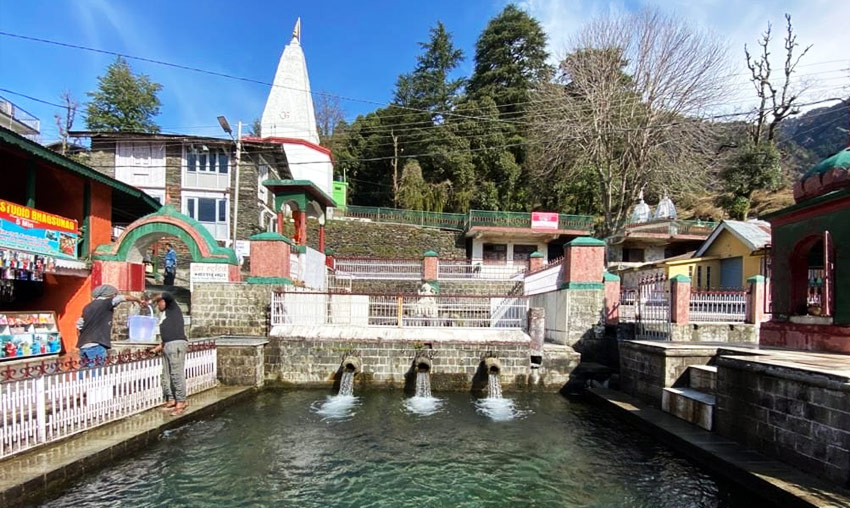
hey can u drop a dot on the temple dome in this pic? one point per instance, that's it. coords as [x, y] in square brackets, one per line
[828, 175]
[665, 210]
[642, 211]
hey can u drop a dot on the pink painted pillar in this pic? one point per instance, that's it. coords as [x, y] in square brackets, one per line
[584, 263]
[535, 262]
[756, 300]
[430, 266]
[330, 261]
[270, 256]
[612, 298]
[680, 299]
[122, 275]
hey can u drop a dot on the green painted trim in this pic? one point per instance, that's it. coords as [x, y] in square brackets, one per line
[300, 249]
[434, 284]
[680, 279]
[610, 277]
[329, 251]
[221, 255]
[586, 241]
[430, 254]
[314, 192]
[279, 281]
[46, 154]
[757, 279]
[580, 285]
[536, 254]
[271, 237]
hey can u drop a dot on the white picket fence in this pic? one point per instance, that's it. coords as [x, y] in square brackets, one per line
[54, 406]
[389, 269]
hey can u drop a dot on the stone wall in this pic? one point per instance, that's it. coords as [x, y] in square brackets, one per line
[574, 318]
[646, 368]
[457, 364]
[371, 239]
[241, 360]
[801, 417]
[730, 333]
[231, 309]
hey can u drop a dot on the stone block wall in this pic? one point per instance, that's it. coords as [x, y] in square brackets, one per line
[738, 333]
[574, 317]
[456, 364]
[798, 416]
[231, 309]
[647, 368]
[241, 360]
[372, 239]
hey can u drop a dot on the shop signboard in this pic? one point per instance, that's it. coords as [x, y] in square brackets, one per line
[544, 220]
[27, 229]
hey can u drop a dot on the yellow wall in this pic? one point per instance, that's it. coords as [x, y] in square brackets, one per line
[727, 245]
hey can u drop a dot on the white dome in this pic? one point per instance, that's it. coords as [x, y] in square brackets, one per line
[665, 210]
[642, 211]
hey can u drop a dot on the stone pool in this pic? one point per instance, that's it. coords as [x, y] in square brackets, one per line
[380, 448]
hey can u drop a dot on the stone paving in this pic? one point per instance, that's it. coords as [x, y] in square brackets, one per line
[34, 475]
[775, 481]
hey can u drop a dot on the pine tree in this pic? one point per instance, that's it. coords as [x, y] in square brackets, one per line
[123, 101]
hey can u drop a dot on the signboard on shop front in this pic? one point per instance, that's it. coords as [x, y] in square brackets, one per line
[544, 220]
[27, 229]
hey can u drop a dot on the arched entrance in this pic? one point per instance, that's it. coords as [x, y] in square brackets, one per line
[120, 263]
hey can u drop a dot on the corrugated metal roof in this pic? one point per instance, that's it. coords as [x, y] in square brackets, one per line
[755, 234]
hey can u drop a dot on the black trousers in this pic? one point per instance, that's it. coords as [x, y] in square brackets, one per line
[169, 276]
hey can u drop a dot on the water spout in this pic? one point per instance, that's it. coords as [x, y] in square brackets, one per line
[493, 366]
[423, 364]
[351, 364]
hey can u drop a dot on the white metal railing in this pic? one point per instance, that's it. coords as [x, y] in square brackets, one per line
[392, 269]
[69, 400]
[304, 308]
[628, 304]
[465, 270]
[724, 306]
[338, 284]
[542, 281]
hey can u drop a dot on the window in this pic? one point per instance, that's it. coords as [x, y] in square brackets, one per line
[495, 252]
[201, 158]
[708, 277]
[699, 277]
[140, 164]
[633, 255]
[522, 252]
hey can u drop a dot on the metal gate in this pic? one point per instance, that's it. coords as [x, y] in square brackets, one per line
[652, 321]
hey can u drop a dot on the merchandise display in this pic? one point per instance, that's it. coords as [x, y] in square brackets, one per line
[24, 334]
[16, 265]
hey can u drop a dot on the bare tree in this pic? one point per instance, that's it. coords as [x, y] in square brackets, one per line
[776, 101]
[329, 114]
[66, 121]
[627, 107]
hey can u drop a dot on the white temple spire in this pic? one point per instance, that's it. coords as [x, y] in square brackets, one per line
[296, 32]
[289, 109]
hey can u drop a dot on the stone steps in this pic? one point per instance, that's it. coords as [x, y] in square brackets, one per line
[702, 378]
[691, 405]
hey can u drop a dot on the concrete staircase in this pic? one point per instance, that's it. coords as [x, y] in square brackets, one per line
[694, 401]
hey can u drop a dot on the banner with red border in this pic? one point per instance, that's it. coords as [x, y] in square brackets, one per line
[32, 230]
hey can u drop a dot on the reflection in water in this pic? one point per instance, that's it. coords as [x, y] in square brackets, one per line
[278, 449]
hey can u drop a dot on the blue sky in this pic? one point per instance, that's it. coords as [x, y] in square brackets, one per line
[353, 49]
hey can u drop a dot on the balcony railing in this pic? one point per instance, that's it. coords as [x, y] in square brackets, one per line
[672, 227]
[466, 270]
[18, 120]
[724, 306]
[460, 221]
[370, 268]
[399, 311]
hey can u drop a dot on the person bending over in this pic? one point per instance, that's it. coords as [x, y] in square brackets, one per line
[95, 325]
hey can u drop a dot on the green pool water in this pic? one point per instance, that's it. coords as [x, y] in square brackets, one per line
[382, 449]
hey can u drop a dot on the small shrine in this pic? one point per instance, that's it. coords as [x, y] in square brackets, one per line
[810, 262]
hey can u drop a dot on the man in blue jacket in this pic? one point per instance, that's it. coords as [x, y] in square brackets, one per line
[170, 265]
